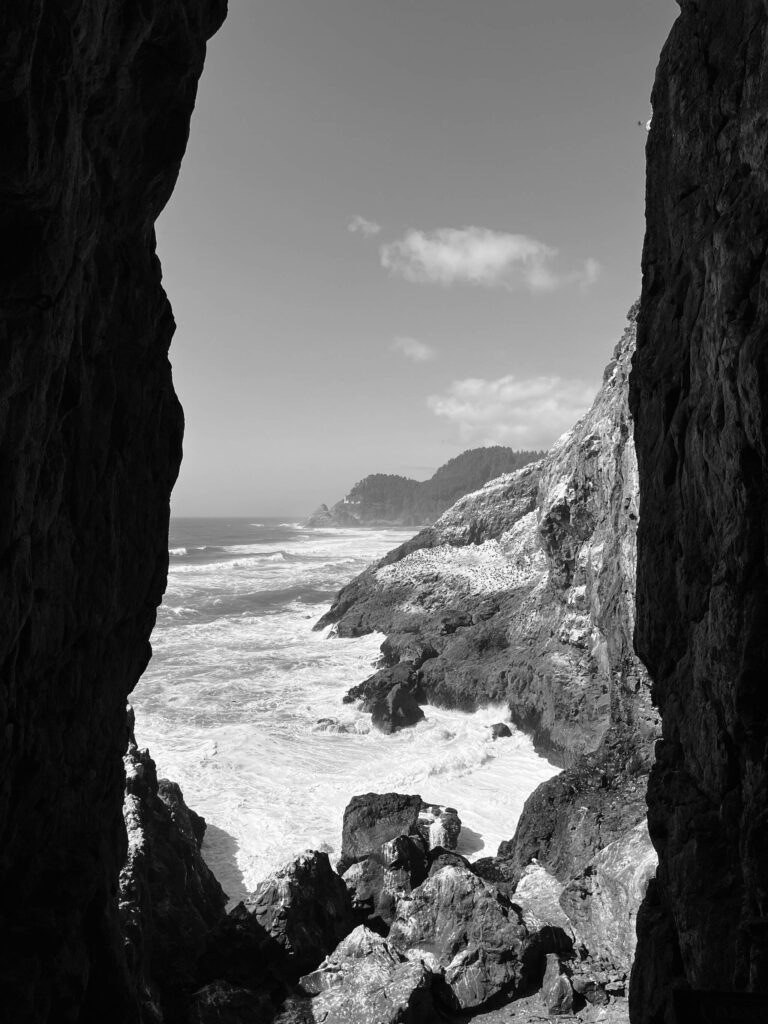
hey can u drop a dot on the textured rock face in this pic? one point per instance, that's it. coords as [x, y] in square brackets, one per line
[602, 901]
[372, 819]
[699, 393]
[169, 898]
[466, 931]
[367, 981]
[96, 101]
[306, 909]
[523, 591]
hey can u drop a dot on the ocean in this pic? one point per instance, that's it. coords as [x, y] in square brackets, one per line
[233, 702]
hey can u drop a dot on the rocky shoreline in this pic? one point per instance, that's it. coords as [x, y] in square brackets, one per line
[404, 931]
[523, 593]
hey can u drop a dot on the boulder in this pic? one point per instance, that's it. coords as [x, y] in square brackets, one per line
[602, 901]
[499, 730]
[465, 930]
[305, 908]
[376, 882]
[367, 981]
[438, 858]
[440, 826]
[396, 710]
[372, 819]
[377, 686]
[556, 991]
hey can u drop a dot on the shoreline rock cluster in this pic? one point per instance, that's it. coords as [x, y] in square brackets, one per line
[404, 931]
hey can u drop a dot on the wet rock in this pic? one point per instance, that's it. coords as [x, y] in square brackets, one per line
[467, 931]
[397, 710]
[367, 981]
[500, 731]
[372, 819]
[556, 991]
[377, 686]
[305, 907]
[699, 397]
[97, 100]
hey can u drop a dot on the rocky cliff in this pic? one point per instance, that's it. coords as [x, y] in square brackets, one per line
[96, 101]
[524, 590]
[699, 394]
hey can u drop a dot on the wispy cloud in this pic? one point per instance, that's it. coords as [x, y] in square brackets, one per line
[529, 413]
[367, 228]
[480, 256]
[417, 351]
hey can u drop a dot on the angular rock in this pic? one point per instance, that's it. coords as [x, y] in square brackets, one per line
[397, 710]
[438, 858]
[96, 102]
[367, 981]
[538, 895]
[500, 731]
[241, 953]
[372, 819]
[440, 826]
[376, 882]
[169, 899]
[603, 900]
[466, 930]
[377, 686]
[305, 907]
[556, 991]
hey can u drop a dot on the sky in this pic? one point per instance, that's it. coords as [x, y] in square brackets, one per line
[403, 228]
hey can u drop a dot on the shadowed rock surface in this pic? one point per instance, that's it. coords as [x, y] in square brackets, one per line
[699, 394]
[306, 909]
[96, 100]
[169, 898]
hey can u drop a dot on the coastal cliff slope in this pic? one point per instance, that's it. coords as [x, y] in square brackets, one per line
[522, 592]
[699, 394]
[96, 103]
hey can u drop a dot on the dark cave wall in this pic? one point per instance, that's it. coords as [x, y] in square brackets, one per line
[699, 395]
[95, 102]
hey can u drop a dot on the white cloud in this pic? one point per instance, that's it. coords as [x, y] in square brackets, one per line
[366, 227]
[480, 256]
[524, 413]
[418, 351]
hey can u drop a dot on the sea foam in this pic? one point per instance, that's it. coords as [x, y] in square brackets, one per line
[232, 705]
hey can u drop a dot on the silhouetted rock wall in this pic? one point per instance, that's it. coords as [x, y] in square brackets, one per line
[699, 395]
[95, 102]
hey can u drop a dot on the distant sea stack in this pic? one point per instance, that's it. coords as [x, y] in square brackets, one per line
[385, 499]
